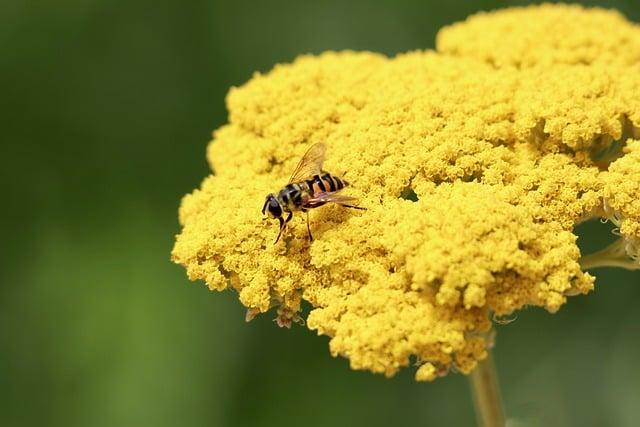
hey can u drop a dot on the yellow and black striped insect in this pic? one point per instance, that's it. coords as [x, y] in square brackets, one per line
[309, 187]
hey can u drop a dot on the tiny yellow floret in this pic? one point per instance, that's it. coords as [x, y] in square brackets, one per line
[474, 161]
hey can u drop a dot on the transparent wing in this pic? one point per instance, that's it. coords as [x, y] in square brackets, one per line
[332, 197]
[310, 164]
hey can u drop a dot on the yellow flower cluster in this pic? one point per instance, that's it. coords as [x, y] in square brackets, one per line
[544, 35]
[621, 199]
[474, 162]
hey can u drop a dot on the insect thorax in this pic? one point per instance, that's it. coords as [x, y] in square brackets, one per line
[293, 196]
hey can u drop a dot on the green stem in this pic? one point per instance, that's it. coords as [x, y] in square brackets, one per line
[614, 255]
[485, 391]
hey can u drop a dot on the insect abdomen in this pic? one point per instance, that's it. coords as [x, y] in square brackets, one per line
[326, 183]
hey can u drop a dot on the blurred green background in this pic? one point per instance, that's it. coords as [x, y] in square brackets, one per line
[107, 107]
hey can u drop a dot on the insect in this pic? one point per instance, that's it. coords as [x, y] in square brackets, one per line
[309, 187]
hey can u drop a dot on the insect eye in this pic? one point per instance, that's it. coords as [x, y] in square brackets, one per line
[274, 208]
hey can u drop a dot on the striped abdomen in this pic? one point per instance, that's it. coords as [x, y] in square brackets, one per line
[325, 183]
[295, 196]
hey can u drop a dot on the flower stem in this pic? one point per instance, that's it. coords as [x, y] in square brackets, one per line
[614, 255]
[485, 391]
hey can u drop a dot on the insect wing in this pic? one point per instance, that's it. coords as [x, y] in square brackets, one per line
[332, 197]
[310, 164]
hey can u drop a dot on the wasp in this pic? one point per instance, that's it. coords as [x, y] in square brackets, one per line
[309, 187]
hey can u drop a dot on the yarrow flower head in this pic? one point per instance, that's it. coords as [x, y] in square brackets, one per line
[474, 161]
[621, 206]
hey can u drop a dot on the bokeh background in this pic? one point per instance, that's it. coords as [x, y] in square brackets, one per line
[106, 108]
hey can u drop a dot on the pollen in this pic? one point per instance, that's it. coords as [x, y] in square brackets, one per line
[474, 161]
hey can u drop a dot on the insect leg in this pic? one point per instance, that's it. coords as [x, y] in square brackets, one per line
[309, 229]
[282, 226]
[352, 207]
